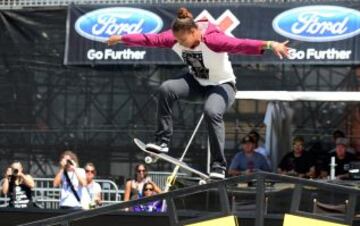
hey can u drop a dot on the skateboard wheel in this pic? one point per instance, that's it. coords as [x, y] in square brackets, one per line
[201, 182]
[149, 160]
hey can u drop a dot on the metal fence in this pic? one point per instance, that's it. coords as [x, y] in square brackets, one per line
[18, 4]
[47, 196]
[160, 177]
[262, 186]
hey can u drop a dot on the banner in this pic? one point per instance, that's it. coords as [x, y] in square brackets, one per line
[318, 34]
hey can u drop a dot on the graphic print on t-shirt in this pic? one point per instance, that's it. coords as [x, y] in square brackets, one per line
[20, 197]
[195, 60]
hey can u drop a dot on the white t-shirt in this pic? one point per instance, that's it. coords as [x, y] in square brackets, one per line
[217, 65]
[89, 194]
[67, 197]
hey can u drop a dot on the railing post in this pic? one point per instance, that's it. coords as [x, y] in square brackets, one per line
[296, 197]
[171, 210]
[350, 209]
[224, 200]
[260, 199]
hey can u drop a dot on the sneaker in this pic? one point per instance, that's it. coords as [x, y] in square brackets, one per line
[157, 147]
[217, 173]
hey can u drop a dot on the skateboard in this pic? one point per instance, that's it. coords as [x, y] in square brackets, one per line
[172, 160]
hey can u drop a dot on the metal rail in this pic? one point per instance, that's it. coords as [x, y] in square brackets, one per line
[221, 188]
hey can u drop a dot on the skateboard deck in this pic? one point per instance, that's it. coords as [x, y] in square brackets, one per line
[170, 159]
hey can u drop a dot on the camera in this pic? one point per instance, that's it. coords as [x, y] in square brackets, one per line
[69, 162]
[92, 205]
[15, 172]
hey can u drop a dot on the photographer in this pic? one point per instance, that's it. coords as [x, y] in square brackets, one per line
[71, 179]
[18, 186]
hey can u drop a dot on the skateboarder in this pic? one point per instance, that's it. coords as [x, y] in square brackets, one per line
[204, 48]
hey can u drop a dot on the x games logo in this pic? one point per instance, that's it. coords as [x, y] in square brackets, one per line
[227, 22]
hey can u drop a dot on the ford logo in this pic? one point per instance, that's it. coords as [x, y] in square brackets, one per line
[99, 24]
[318, 23]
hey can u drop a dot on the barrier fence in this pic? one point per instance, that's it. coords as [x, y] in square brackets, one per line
[46, 196]
[259, 185]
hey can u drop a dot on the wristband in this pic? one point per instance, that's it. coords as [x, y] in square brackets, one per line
[268, 45]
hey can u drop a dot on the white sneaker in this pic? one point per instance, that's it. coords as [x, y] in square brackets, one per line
[158, 148]
[217, 173]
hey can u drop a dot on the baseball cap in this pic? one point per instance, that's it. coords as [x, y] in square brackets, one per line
[247, 139]
[342, 141]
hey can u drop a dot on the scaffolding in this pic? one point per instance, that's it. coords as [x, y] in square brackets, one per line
[19, 4]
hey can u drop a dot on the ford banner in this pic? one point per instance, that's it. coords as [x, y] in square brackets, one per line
[317, 34]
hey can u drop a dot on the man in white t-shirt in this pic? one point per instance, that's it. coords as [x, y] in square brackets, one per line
[71, 179]
[92, 192]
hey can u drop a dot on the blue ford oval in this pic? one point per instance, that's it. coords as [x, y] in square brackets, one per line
[99, 24]
[320, 23]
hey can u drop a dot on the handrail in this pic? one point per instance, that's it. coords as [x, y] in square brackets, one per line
[220, 186]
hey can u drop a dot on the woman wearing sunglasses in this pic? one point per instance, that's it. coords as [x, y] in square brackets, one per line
[155, 206]
[92, 193]
[134, 187]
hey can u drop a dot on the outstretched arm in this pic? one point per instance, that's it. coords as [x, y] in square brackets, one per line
[163, 40]
[219, 42]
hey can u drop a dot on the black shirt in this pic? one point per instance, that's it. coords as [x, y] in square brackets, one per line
[20, 196]
[342, 165]
[300, 164]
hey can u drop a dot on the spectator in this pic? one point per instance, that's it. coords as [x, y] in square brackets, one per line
[298, 162]
[147, 191]
[258, 148]
[342, 160]
[340, 134]
[71, 179]
[92, 191]
[134, 187]
[247, 161]
[18, 186]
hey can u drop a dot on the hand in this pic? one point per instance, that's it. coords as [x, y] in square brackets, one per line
[292, 173]
[20, 174]
[280, 49]
[72, 166]
[248, 172]
[63, 163]
[114, 39]
[9, 172]
[97, 201]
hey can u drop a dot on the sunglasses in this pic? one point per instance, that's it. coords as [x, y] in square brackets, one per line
[141, 171]
[148, 189]
[90, 171]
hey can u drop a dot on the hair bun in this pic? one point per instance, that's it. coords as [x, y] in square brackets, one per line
[183, 13]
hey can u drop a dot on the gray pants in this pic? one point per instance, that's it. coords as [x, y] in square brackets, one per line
[217, 99]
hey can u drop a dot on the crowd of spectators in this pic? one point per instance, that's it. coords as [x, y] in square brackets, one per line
[297, 161]
[78, 189]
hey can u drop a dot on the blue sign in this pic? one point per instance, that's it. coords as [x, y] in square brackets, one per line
[99, 25]
[318, 23]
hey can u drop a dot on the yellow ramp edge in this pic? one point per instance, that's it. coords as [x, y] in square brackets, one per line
[291, 220]
[222, 221]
